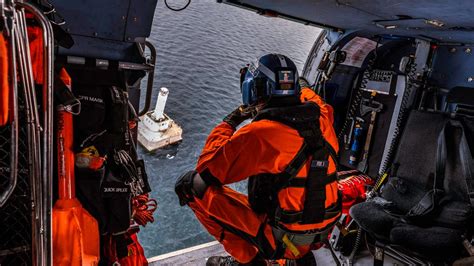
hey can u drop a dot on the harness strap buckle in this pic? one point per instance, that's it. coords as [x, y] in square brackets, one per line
[320, 164]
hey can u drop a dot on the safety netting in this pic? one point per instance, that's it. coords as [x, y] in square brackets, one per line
[15, 215]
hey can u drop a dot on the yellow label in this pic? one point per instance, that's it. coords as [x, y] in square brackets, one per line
[91, 151]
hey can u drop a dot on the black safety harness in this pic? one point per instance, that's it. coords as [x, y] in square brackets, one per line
[305, 119]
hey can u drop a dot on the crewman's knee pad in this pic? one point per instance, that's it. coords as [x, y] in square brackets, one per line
[188, 186]
[199, 186]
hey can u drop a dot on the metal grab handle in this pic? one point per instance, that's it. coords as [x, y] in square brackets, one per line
[43, 248]
[151, 77]
[33, 131]
[12, 181]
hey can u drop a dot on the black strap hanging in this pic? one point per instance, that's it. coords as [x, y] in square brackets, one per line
[314, 204]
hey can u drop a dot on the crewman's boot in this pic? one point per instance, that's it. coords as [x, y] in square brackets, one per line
[307, 260]
[221, 261]
[230, 261]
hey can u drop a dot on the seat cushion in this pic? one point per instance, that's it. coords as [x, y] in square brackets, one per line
[434, 242]
[374, 219]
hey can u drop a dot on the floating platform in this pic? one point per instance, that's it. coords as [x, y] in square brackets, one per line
[153, 140]
[156, 129]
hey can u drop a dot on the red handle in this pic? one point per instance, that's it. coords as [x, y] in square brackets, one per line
[67, 189]
[5, 89]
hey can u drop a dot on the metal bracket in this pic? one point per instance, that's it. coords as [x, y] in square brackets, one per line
[150, 79]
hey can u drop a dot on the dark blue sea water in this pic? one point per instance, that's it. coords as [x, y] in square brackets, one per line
[200, 52]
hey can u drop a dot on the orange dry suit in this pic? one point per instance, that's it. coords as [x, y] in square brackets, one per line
[267, 149]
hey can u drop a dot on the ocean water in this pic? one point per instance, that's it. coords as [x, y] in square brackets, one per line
[200, 51]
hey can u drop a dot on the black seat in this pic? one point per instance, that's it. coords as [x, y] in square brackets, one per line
[406, 214]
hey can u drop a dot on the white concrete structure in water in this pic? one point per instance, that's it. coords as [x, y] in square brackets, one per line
[156, 129]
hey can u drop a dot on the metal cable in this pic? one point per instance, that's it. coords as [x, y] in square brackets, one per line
[177, 9]
[356, 247]
[402, 116]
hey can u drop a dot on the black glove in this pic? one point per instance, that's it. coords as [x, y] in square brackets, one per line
[237, 116]
[303, 83]
[183, 187]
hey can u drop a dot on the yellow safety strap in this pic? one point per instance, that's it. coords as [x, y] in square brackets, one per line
[291, 246]
[380, 182]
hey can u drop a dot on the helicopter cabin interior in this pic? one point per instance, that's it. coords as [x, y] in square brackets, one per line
[399, 76]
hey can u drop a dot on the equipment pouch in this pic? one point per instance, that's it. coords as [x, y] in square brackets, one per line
[116, 197]
[261, 194]
[117, 110]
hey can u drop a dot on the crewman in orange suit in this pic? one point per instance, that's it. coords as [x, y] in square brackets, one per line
[288, 155]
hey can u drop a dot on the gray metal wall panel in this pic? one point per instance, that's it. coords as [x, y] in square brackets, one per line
[361, 14]
[453, 66]
[106, 29]
[102, 19]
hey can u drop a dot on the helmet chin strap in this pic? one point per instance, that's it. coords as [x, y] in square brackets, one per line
[281, 102]
[271, 103]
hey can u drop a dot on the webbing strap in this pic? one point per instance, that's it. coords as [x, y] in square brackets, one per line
[293, 168]
[301, 182]
[299, 239]
[315, 183]
[315, 199]
[289, 217]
